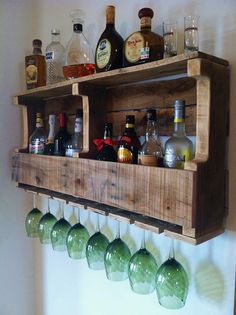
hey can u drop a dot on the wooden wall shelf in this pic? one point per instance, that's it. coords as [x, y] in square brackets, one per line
[186, 204]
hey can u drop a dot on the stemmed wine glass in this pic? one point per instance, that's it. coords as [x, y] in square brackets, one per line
[45, 226]
[95, 249]
[117, 258]
[59, 232]
[77, 239]
[172, 282]
[142, 270]
[32, 220]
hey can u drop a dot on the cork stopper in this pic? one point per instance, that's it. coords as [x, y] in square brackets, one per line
[110, 14]
[145, 12]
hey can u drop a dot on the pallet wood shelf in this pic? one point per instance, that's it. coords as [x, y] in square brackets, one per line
[186, 204]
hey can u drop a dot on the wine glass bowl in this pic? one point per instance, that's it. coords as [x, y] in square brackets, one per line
[76, 241]
[32, 220]
[45, 226]
[172, 283]
[95, 250]
[142, 272]
[116, 260]
[59, 234]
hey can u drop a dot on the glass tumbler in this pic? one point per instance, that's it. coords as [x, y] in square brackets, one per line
[170, 38]
[191, 38]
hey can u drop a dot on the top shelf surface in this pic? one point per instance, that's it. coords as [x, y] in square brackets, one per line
[153, 70]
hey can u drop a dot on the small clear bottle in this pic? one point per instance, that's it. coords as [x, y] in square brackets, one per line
[75, 145]
[55, 58]
[38, 138]
[79, 55]
[178, 148]
[150, 153]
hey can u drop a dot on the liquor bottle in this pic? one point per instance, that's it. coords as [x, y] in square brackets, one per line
[79, 55]
[61, 137]
[35, 68]
[179, 147]
[75, 144]
[151, 152]
[105, 146]
[109, 51]
[144, 45]
[55, 58]
[49, 146]
[129, 143]
[38, 138]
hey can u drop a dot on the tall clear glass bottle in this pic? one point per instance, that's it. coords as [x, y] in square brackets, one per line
[38, 138]
[55, 58]
[79, 55]
[150, 153]
[75, 143]
[49, 146]
[178, 148]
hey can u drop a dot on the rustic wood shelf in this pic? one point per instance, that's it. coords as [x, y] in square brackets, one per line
[186, 204]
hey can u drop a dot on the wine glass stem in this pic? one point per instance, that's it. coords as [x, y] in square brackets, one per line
[118, 229]
[143, 243]
[34, 200]
[171, 254]
[97, 224]
[78, 215]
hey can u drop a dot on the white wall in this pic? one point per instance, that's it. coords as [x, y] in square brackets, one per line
[64, 286]
[16, 253]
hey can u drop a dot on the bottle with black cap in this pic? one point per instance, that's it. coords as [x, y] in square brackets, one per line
[150, 153]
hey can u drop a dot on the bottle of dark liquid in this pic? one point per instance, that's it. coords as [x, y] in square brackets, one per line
[109, 51]
[144, 45]
[61, 137]
[107, 151]
[129, 143]
[49, 146]
[35, 67]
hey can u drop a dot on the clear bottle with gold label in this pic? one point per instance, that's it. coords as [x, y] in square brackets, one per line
[144, 45]
[129, 143]
[109, 51]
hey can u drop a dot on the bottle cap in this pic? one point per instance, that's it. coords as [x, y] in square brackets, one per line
[145, 12]
[151, 114]
[179, 110]
[130, 119]
[55, 31]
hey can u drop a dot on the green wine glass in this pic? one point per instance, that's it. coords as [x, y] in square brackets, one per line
[32, 221]
[117, 257]
[59, 233]
[77, 239]
[95, 249]
[45, 226]
[172, 283]
[142, 270]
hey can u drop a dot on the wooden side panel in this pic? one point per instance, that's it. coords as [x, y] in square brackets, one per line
[160, 193]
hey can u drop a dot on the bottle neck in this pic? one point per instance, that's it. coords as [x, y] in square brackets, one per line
[56, 38]
[179, 121]
[52, 128]
[179, 129]
[146, 23]
[129, 128]
[62, 121]
[110, 16]
[151, 131]
[78, 125]
[107, 134]
[37, 51]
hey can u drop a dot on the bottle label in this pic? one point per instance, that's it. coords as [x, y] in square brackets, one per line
[148, 160]
[144, 53]
[103, 53]
[36, 147]
[31, 71]
[78, 125]
[53, 56]
[124, 155]
[133, 46]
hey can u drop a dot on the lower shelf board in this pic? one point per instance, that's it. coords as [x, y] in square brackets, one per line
[142, 221]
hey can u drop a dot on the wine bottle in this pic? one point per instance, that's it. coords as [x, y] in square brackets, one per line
[178, 148]
[75, 144]
[150, 153]
[106, 151]
[109, 51]
[144, 45]
[61, 137]
[38, 138]
[49, 146]
[129, 143]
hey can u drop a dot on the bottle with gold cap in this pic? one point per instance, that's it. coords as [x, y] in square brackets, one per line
[144, 45]
[109, 51]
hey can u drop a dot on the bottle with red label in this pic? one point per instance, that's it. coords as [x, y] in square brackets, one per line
[129, 143]
[144, 45]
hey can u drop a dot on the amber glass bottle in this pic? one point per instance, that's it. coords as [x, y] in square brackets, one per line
[129, 143]
[144, 45]
[35, 67]
[109, 51]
